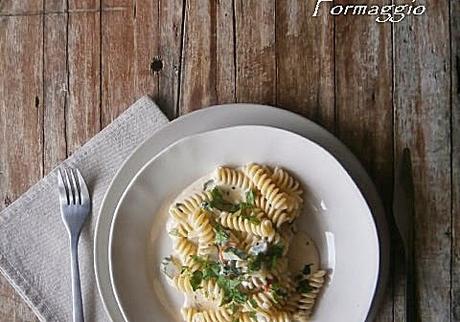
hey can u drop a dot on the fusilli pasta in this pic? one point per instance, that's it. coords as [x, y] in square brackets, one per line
[231, 242]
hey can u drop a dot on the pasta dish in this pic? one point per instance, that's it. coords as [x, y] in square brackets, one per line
[231, 234]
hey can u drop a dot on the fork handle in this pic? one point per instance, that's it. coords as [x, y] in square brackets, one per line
[76, 287]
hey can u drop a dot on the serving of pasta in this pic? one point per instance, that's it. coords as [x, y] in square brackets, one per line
[231, 239]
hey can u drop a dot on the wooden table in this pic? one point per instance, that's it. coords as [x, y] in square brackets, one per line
[68, 68]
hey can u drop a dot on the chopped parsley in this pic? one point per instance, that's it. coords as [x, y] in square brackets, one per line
[252, 219]
[222, 235]
[209, 269]
[196, 279]
[267, 259]
[250, 198]
[232, 292]
[220, 203]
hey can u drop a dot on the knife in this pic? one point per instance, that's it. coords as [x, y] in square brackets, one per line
[403, 212]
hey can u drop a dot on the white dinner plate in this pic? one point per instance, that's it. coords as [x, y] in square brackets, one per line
[336, 216]
[219, 117]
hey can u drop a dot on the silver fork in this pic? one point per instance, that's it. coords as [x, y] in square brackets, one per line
[75, 208]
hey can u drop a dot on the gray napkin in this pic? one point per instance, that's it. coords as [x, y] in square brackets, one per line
[34, 247]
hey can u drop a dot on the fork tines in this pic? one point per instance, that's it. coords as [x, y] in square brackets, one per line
[72, 188]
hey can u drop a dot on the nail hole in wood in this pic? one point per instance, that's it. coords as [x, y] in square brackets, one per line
[156, 65]
[37, 102]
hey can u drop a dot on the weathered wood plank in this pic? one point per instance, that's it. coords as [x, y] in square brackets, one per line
[55, 5]
[75, 5]
[422, 122]
[21, 112]
[117, 62]
[364, 111]
[170, 22]
[55, 96]
[128, 44]
[120, 3]
[305, 60]
[83, 113]
[255, 51]
[208, 74]
[146, 39]
[455, 126]
[14, 7]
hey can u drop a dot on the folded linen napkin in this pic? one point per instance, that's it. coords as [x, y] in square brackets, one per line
[34, 246]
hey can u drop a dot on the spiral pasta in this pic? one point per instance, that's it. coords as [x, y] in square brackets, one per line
[182, 283]
[307, 300]
[212, 291]
[234, 178]
[287, 182]
[201, 224]
[262, 180]
[190, 204]
[230, 244]
[235, 222]
[185, 248]
[188, 313]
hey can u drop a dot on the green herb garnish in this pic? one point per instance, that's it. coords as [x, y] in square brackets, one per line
[250, 198]
[220, 203]
[209, 269]
[267, 259]
[252, 219]
[232, 292]
[195, 280]
[222, 235]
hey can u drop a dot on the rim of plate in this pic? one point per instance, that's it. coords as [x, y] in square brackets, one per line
[247, 114]
[352, 185]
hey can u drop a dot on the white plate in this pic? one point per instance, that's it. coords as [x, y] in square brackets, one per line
[218, 117]
[336, 216]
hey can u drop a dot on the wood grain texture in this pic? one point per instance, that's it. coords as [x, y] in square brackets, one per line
[126, 56]
[305, 60]
[91, 61]
[117, 63]
[55, 95]
[208, 74]
[455, 127]
[255, 51]
[170, 27]
[21, 113]
[55, 5]
[14, 7]
[364, 110]
[422, 122]
[82, 112]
